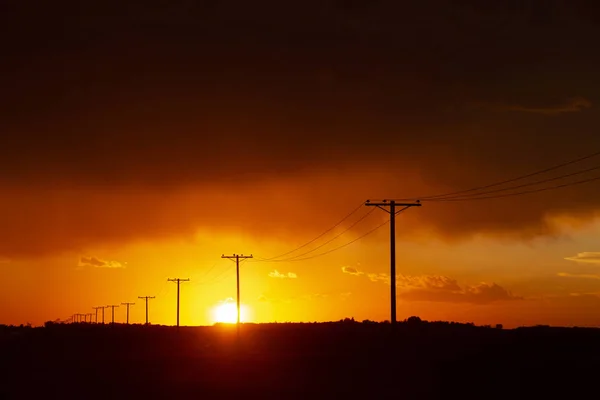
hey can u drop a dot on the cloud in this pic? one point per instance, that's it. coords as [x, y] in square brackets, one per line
[351, 271]
[227, 300]
[441, 288]
[98, 263]
[277, 274]
[591, 257]
[581, 276]
[275, 300]
[153, 168]
[574, 104]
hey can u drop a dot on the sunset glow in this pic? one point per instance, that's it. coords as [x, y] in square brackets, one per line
[227, 313]
[131, 156]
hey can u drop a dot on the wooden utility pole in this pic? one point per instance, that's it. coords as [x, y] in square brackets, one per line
[178, 281]
[113, 313]
[127, 304]
[97, 308]
[393, 212]
[237, 258]
[146, 298]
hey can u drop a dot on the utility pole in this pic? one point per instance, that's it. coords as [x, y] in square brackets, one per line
[237, 257]
[178, 281]
[102, 308]
[146, 298]
[90, 315]
[393, 212]
[96, 309]
[127, 304]
[113, 313]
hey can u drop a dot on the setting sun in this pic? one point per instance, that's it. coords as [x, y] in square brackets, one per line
[227, 313]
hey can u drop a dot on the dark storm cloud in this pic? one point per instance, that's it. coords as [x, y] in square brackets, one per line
[114, 97]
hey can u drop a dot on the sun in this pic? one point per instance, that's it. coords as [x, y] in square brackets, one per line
[227, 313]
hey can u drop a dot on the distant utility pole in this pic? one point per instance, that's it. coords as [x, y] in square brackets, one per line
[113, 313]
[178, 281]
[96, 309]
[90, 315]
[146, 298]
[393, 212]
[127, 304]
[237, 257]
[102, 308]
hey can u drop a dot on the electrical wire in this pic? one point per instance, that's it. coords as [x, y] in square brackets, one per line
[316, 238]
[520, 193]
[552, 168]
[339, 247]
[468, 196]
[329, 241]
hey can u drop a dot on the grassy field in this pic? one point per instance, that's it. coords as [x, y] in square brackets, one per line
[284, 361]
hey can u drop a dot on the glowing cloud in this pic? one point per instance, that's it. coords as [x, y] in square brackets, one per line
[592, 257]
[277, 274]
[98, 263]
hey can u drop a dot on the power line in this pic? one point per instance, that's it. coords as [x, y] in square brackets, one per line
[316, 238]
[178, 281]
[327, 242]
[220, 276]
[523, 192]
[556, 178]
[554, 167]
[344, 245]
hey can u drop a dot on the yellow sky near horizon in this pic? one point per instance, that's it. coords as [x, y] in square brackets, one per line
[436, 281]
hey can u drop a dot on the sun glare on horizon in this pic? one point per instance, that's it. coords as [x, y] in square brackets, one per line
[227, 313]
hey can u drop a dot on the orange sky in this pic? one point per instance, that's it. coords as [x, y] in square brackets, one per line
[156, 140]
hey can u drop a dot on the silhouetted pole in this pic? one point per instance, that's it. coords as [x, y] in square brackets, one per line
[178, 281]
[392, 211]
[102, 308]
[97, 308]
[127, 304]
[90, 314]
[113, 313]
[237, 257]
[146, 298]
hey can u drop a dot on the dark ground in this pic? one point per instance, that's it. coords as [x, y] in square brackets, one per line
[283, 361]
